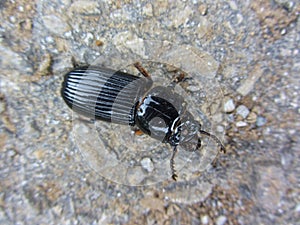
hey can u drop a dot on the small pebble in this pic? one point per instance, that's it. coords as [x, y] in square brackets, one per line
[49, 39]
[89, 37]
[242, 111]
[205, 219]
[221, 220]
[230, 118]
[252, 117]
[297, 208]
[68, 34]
[220, 129]
[229, 106]
[57, 210]
[147, 164]
[239, 18]
[193, 88]
[11, 153]
[283, 31]
[147, 10]
[99, 43]
[45, 65]
[12, 19]
[260, 121]
[233, 5]
[21, 8]
[241, 124]
[203, 9]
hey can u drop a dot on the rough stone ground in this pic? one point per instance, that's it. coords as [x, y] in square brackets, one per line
[44, 179]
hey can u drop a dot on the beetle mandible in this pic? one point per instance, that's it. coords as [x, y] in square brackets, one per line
[122, 98]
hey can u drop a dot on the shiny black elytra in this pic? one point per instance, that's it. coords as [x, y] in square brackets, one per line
[122, 98]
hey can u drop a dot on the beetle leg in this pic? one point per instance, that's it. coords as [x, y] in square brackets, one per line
[172, 164]
[141, 69]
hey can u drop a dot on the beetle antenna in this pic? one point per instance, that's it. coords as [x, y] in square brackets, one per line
[222, 148]
[172, 164]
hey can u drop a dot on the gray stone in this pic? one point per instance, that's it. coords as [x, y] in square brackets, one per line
[147, 164]
[221, 220]
[242, 111]
[205, 219]
[260, 121]
[241, 124]
[229, 106]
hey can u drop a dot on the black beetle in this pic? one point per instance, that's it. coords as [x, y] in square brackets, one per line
[122, 98]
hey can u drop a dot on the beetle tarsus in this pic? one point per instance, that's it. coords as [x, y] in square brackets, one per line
[172, 164]
[142, 70]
